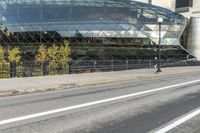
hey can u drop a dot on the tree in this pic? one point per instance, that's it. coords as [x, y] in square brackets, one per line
[4, 73]
[52, 53]
[14, 55]
[56, 55]
[42, 54]
[1, 54]
[63, 54]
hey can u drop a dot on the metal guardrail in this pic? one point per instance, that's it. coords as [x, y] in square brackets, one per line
[31, 69]
[117, 65]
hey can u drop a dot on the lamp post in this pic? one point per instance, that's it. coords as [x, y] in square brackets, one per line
[160, 21]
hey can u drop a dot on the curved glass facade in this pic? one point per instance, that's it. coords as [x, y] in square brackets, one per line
[102, 20]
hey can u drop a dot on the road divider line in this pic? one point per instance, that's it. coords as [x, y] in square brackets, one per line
[31, 116]
[179, 122]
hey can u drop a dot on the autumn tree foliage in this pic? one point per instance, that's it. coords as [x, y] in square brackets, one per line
[64, 54]
[52, 53]
[42, 54]
[57, 55]
[14, 55]
[1, 54]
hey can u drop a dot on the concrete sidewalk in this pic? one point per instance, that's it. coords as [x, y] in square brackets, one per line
[18, 86]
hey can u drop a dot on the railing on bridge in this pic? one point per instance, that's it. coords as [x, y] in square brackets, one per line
[31, 69]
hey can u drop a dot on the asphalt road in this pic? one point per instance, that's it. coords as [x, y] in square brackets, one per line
[114, 108]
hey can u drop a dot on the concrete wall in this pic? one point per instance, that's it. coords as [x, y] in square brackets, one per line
[193, 14]
[169, 4]
[194, 37]
[196, 9]
[196, 3]
[194, 32]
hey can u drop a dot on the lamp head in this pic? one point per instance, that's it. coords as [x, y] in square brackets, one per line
[160, 20]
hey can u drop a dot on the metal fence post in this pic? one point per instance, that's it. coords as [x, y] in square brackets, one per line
[127, 64]
[139, 64]
[149, 63]
[13, 67]
[167, 63]
[94, 66]
[112, 69]
[45, 68]
[73, 67]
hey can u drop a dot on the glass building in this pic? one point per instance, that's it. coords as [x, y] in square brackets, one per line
[96, 29]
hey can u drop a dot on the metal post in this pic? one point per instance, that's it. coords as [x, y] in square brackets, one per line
[149, 63]
[95, 63]
[139, 64]
[45, 68]
[13, 67]
[159, 52]
[74, 67]
[127, 65]
[112, 66]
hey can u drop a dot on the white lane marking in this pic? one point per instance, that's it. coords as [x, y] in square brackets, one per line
[179, 122]
[3, 122]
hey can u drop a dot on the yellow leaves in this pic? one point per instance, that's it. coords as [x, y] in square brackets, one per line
[14, 55]
[11, 55]
[53, 56]
[42, 54]
[58, 56]
[1, 54]
[52, 52]
[64, 53]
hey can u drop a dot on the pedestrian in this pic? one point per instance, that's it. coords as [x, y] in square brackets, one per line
[155, 65]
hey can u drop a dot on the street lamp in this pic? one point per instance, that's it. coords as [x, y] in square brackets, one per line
[160, 21]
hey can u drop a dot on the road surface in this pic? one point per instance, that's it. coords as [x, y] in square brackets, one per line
[166, 104]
